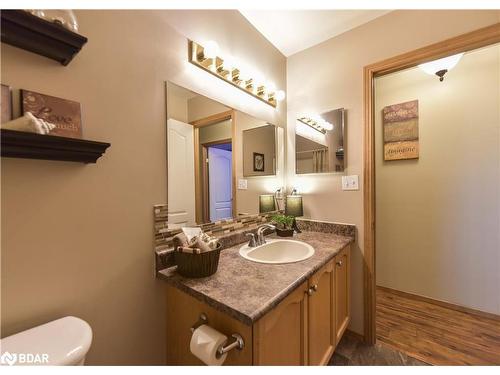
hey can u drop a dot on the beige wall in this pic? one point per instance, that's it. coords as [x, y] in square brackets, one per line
[217, 132]
[330, 75]
[78, 239]
[201, 107]
[438, 216]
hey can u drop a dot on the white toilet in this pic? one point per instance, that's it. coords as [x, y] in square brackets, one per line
[62, 342]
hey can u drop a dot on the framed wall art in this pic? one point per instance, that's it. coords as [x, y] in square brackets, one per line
[258, 162]
[400, 125]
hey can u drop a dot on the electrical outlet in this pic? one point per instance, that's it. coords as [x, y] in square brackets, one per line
[350, 182]
[242, 184]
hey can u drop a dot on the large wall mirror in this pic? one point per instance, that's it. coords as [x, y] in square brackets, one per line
[219, 160]
[320, 142]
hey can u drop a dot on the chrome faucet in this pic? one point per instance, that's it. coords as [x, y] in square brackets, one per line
[252, 242]
[260, 233]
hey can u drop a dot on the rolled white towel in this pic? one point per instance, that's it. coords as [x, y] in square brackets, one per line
[213, 243]
[191, 232]
[191, 250]
[29, 123]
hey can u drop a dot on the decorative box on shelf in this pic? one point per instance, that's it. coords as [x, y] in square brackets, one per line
[24, 30]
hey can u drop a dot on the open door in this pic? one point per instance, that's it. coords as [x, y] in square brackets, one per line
[220, 183]
[181, 195]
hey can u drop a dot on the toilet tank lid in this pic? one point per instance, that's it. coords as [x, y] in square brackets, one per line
[66, 341]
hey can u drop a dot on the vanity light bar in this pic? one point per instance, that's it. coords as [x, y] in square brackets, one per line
[214, 64]
[321, 126]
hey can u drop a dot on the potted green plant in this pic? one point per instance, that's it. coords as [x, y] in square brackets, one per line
[283, 225]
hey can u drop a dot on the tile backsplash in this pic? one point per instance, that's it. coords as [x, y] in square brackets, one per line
[229, 232]
[163, 234]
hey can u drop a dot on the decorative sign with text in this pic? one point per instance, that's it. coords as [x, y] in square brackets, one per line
[64, 114]
[400, 123]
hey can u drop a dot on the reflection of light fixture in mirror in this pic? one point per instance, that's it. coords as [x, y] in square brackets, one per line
[208, 58]
[280, 95]
[267, 203]
[441, 66]
[294, 207]
[317, 123]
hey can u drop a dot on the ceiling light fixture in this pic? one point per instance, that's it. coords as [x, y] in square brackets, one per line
[207, 57]
[441, 66]
[317, 123]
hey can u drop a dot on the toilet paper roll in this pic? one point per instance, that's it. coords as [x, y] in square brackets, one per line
[204, 344]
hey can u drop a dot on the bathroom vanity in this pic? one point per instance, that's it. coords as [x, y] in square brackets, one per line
[287, 314]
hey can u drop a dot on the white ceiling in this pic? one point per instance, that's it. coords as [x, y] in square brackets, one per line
[292, 31]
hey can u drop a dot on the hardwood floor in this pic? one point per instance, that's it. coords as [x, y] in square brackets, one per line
[351, 351]
[436, 334]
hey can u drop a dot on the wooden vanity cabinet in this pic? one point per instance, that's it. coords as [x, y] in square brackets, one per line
[280, 336]
[321, 315]
[342, 292]
[183, 311]
[303, 329]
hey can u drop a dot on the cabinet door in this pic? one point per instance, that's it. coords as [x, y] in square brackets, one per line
[342, 292]
[321, 317]
[183, 311]
[280, 337]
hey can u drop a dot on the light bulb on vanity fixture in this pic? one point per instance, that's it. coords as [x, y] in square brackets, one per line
[280, 95]
[441, 66]
[316, 122]
[211, 49]
[237, 73]
[230, 63]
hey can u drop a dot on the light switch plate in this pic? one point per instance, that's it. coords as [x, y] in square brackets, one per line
[350, 182]
[242, 184]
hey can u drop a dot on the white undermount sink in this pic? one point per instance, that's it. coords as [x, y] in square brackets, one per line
[278, 251]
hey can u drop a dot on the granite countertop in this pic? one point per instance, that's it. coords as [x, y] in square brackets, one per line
[247, 290]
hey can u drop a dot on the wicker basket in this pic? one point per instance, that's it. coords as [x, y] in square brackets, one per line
[198, 265]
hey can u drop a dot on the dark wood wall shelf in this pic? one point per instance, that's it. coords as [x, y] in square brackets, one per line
[49, 147]
[24, 30]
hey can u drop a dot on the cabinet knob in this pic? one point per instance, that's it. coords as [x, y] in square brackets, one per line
[312, 289]
[339, 263]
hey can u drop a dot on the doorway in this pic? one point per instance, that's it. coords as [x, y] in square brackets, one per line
[215, 165]
[467, 42]
[217, 172]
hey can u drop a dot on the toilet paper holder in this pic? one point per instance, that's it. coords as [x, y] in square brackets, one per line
[238, 342]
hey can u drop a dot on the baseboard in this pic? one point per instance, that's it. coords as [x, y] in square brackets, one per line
[448, 305]
[354, 335]
[409, 353]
